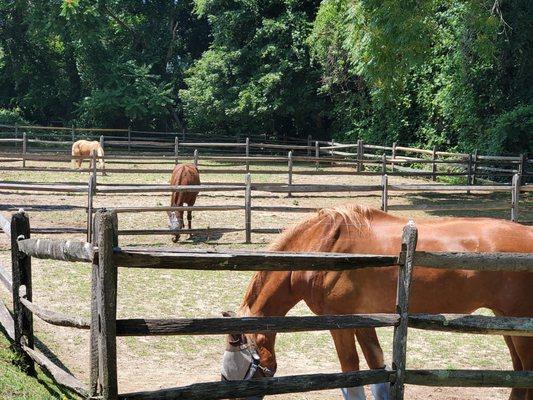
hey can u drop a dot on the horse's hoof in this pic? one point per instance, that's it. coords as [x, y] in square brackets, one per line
[175, 239]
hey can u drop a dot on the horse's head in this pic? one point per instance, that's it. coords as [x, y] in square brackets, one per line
[175, 223]
[247, 357]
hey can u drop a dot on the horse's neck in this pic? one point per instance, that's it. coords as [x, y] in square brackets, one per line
[269, 294]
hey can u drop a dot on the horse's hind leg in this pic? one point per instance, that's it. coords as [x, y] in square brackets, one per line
[189, 219]
[516, 393]
[349, 359]
[524, 348]
[368, 340]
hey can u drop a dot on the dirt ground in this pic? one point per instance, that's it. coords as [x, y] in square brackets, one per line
[147, 363]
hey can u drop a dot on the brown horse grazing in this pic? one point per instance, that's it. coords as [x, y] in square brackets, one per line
[183, 174]
[85, 148]
[356, 229]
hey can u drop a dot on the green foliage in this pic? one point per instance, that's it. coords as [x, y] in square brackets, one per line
[11, 117]
[256, 76]
[511, 131]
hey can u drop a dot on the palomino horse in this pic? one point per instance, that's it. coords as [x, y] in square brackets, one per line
[356, 229]
[183, 174]
[85, 148]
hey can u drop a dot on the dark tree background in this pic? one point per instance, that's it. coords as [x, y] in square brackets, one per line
[455, 74]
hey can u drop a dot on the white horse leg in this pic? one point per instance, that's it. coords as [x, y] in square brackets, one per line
[354, 393]
[380, 391]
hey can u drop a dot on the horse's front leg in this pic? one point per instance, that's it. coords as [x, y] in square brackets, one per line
[189, 219]
[349, 359]
[368, 340]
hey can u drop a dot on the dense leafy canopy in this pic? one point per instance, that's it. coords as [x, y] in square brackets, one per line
[448, 73]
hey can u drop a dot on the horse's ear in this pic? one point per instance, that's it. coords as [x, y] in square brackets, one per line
[228, 314]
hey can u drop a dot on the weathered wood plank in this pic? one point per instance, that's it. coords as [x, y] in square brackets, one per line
[6, 280]
[248, 208]
[479, 324]
[476, 261]
[470, 378]
[63, 250]
[6, 320]
[214, 326]
[60, 375]
[182, 208]
[195, 231]
[251, 261]
[56, 318]
[21, 276]
[5, 225]
[399, 345]
[264, 387]
[107, 305]
[168, 188]
[43, 187]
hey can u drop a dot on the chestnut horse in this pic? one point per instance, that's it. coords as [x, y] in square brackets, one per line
[85, 148]
[183, 174]
[357, 229]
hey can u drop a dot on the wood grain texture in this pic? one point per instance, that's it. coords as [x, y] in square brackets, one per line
[399, 342]
[470, 378]
[479, 324]
[476, 261]
[250, 261]
[264, 387]
[57, 249]
[215, 326]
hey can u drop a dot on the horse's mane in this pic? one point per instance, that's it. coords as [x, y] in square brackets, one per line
[353, 216]
[357, 220]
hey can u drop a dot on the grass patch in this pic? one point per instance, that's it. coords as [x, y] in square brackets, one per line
[16, 385]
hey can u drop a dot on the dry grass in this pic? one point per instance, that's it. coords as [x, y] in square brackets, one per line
[149, 363]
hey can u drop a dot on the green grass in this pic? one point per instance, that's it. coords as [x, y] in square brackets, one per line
[16, 385]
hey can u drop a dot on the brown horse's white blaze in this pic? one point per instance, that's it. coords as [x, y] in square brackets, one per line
[85, 148]
[182, 175]
[356, 229]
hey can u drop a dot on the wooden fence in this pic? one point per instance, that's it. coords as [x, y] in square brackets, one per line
[398, 160]
[105, 327]
[93, 189]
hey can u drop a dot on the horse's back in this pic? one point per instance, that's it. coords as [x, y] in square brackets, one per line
[184, 175]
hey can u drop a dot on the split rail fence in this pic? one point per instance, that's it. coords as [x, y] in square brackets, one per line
[92, 189]
[104, 327]
[397, 160]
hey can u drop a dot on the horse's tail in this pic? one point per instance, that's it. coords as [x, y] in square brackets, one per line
[100, 152]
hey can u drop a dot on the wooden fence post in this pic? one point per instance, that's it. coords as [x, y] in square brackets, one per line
[102, 160]
[309, 141]
[106, 306]
[21, 276]
[384, 192]
[93, 165]
[383, 164]
[248, 208]
[469, 172]
[16, 131]
[474, 167]
[91, 189]
[521, 168]
[409, 239]
[24, 149]
[434, 165]
[317, 155]
[73, 133]
[393, 155]
[359, 154]
[195, 157]
[176, 149]
[515, 197]
[247, 154]
[129, 139]
[289, 194]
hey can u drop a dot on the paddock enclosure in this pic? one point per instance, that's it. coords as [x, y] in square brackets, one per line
[250, 190]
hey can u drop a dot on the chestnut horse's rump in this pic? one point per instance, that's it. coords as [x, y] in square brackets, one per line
[182, 175]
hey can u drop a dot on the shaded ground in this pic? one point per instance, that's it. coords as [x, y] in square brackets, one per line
[150, 363]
